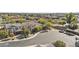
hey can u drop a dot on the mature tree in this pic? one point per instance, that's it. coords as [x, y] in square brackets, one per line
[42, 21]
[71, 19]
[50, 20]
[7, 19]
[48, 25]
[21, 21]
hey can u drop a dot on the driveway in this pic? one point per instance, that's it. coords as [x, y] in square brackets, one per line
[42, 38]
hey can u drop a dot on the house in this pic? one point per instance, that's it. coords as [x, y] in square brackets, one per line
[31, 24]
[17, 28]
[14, 28]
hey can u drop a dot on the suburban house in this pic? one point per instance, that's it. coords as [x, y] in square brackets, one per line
[17, 27]
[31, 24]
[14, 28]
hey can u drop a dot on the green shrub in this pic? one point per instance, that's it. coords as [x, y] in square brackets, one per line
[3, 34]
[50, 20]
[42, 21]
[48, 24]
[37, 28]
[59, 43]
[21, 21]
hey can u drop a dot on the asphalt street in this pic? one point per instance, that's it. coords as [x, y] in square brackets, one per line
[42, 38]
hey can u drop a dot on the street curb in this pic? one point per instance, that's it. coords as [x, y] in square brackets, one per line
[22, 39]
[33, 36]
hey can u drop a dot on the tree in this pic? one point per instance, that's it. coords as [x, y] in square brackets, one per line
[26, 32]
[7, 19]
[12, 21]
[21, 21]
[71, 19]
[3, 34]
[59, 43]
[50, 20]
[37, 28]
[48, 25]
[42, 21]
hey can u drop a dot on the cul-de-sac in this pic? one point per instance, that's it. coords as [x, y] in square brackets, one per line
[39, 29]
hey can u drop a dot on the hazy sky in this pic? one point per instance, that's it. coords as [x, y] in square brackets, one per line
[39, 6]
